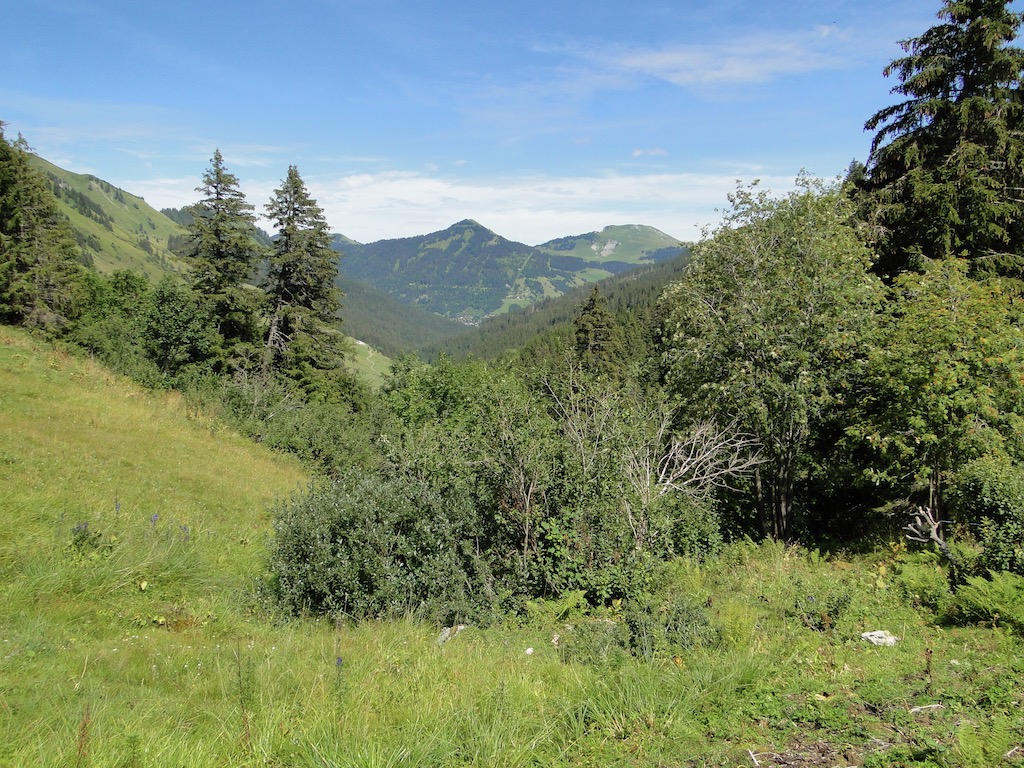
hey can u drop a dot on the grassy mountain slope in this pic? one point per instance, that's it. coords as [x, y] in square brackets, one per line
[467, 272]
[116, 229]
[133, 529]
[632, 244]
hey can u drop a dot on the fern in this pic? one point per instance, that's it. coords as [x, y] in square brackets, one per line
[984, 745]
[998, 600]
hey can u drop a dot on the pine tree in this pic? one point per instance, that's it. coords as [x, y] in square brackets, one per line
[304, 336]
[223, 253]
[41, 278]
[946, 169]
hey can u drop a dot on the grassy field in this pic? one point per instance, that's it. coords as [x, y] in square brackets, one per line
[369, 363]
[131, 633]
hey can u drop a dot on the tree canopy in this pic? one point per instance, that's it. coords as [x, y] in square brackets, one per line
[304, 337]
[762, 330]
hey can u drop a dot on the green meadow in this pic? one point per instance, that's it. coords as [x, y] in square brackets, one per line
[133, 630]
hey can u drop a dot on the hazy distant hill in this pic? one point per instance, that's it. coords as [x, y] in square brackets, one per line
[468, 272]
[617, 248]
[116, 229]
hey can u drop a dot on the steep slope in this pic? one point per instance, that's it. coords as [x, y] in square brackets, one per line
[116, 229]
[388, 325]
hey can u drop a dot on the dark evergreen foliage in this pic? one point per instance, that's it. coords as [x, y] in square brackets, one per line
[303, 341]
[389, 326]
[598, 341]
[946, 170]
[222, 255]
[41, 277]
[631, 296]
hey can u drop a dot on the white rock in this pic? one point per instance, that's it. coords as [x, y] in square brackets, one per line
[880, 637]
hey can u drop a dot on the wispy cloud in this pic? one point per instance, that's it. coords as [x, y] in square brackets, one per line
[652, 152]
[530, 209]
[746, 60]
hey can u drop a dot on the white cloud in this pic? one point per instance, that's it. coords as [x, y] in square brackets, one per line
[652, 152]
[530, 209]
[742, 61]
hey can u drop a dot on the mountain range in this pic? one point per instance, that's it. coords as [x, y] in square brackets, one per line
[468, 272]
[406, 294]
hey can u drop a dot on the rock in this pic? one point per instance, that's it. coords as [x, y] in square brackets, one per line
[880, 637]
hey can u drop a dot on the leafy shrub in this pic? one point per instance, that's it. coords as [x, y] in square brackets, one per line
[988, 495]
[999, 599]
[368, 546]
[696, 527]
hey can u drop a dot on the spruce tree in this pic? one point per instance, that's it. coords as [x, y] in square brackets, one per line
[304, 337]
[223, 253]
[598, 339]
[946, 169]
[41, 278]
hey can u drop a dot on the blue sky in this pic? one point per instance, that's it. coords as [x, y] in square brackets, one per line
[537, 118]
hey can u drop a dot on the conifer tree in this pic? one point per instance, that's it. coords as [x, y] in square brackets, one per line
[946, 169]
[598, 340]
[304, 335]
[223, 253]
[41, 278]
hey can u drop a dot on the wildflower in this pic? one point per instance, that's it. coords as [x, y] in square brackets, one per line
[153, 519]
[338, 662]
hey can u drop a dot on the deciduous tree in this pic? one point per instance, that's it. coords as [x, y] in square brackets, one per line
[946, 381]
[763, 329]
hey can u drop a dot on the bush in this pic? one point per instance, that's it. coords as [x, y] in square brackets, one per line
[696, 527]
[999, 599]
[922, 582]
[988, 496]
[372, 547]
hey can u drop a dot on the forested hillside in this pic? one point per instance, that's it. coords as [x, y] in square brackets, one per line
[631, 297]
